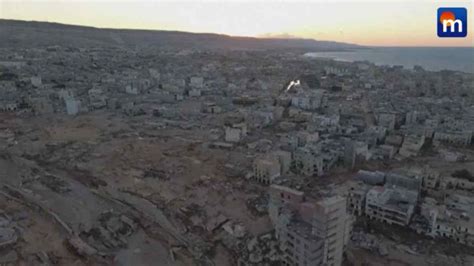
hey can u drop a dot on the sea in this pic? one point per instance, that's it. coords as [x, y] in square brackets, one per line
[430, 58]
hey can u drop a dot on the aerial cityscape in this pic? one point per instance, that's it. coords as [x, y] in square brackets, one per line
[167, 147]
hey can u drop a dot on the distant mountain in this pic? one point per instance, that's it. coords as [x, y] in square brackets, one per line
[15, 33]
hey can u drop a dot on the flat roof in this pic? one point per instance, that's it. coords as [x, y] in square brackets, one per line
[287, 189]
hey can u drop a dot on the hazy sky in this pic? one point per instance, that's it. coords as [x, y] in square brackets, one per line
[385, 23]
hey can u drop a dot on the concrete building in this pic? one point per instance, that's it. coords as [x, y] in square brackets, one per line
[430, 178]
[332, 223]
[354, 152]
[324, 122]
[97, 98]
[260, 119]
[16, 64]
[197, 82]
[310, 232]
[456, 183]
[460, 138]
[194, 92]
[211, 108]
[236, 132]
[407, 182]
[64, 94]
[356, 197]
[36, 81]
[8, 106]
[385, 152]
[394, 140]
[284, 158]
[411, 145]
[335, 70]
[265, 170]
[371, 178]
[411, 118]
[132, 88]
[452, 220]
[386, 120]
[452, 156]
[308, 101]
[138, 85]
[391, 205]
[307, 137]
[155, 74]
[307, 162]
[233, 134]
[73, 106]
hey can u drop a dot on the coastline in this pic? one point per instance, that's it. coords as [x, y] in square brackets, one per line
[430, 58]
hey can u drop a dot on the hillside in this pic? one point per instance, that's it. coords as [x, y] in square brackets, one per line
[39, 34]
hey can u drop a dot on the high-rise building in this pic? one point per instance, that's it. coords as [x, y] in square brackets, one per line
[311, 232]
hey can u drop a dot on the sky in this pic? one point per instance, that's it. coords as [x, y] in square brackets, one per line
[365, 22]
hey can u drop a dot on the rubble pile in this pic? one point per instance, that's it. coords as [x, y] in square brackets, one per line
[258, 206]
[111, 233]
[369, 242]
[263, 250]
[8, 234]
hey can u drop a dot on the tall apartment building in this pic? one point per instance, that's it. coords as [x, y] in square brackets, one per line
[271, 166]
[307, 162]
[265, 170]
[356, 198]
[310, 232]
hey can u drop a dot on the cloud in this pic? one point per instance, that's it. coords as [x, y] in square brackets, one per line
[278, 36]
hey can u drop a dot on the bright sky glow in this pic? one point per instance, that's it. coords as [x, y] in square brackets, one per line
[382, 23]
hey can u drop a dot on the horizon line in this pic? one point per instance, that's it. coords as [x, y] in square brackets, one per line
[361, 46]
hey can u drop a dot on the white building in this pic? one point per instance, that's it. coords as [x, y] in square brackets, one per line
[265, 170]
[461, 138]
[310, 232]
[391, 205]
[132, 88]
[236, 132]
[308, 101]
[452, 220]
[307, 162]
[356, 198]
[284, 158]
[197, 82]
[155, 74]
[194, 92]
[97, 98]
[386, 120]
[411, 145]
[73, 106]
[64, 94]
[36, 81]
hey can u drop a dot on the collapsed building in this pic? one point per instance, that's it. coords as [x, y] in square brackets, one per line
[391, 205]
